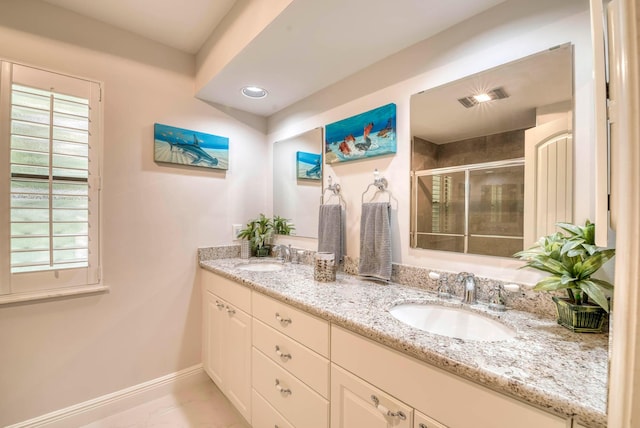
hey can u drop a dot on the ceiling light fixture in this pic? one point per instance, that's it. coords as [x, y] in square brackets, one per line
[254, 92]
[494, 94]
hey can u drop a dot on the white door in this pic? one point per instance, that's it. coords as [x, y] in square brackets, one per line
[357, 404]
[213, 340]
[237, 359]
[548, 174]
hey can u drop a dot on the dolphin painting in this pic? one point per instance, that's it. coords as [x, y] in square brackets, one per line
[194, 151]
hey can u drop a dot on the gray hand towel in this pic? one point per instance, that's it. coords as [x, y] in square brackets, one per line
[375, 240]
[330, 226]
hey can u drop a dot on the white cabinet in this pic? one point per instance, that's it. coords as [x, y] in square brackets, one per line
[283, 367]
[421, 420]
[355, 404]
[227, 339]
[290, 365]
[448, 399]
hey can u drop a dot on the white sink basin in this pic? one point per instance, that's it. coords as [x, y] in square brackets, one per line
[452, 322]
[260, 266]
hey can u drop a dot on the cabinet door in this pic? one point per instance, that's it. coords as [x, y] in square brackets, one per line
[213, 340]
[237, 359]
[357, 404]
[424, 421]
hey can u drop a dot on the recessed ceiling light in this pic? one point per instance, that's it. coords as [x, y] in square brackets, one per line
[494, 94]
[254, 92]
[481, 98]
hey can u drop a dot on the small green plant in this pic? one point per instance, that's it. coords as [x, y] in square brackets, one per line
[281, 226]
[571, 258]
[259, 232]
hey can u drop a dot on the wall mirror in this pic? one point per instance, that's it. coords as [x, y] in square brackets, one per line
[492, 157]
[297, 181]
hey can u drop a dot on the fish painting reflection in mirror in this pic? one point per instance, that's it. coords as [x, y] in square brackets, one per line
[308, 166]
[186, 147]
[372, 133]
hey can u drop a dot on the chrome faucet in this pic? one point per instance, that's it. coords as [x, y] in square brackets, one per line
[283, 253]
[468, 281]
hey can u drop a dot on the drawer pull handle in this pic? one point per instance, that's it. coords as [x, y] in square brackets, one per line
[281, 390]
[280, 354]
[230, 310]
[399, 414]
[283, 321]
[421, 425]
[219, 304]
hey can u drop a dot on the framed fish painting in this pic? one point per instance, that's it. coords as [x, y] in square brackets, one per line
[368, 134]
[308, 166]
[193, 148]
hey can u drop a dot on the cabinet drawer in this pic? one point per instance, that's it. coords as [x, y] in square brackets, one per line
[234, 293]
[302, 362]
[311, 331]
[424, 421]
[264, 415]
[294, 400]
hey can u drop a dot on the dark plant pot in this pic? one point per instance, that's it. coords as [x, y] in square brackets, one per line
[262, 251]
[579, 318]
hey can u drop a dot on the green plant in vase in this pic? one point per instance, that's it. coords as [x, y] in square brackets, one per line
[258, 232]
[571, 258]
[281, 226]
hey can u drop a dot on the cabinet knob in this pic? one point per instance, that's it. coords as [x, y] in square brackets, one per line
[283, 321]
[281, 390]
[399, 414]
[282, 355]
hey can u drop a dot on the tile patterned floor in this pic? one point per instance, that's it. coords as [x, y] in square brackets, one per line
[199, 406]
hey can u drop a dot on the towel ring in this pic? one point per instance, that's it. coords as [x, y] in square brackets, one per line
[335, 191]
[381, 184]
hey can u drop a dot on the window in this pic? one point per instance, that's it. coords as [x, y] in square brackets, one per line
[50, 138]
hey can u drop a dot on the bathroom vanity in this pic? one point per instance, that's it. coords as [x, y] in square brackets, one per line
[291, 352]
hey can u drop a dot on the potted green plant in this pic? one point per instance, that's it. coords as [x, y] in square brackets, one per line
[258, 232]
[571, 258]
[281, 226]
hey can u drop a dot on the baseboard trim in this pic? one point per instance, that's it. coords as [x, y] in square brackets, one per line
[97, 408]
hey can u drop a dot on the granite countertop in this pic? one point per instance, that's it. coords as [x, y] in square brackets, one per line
[546, 365]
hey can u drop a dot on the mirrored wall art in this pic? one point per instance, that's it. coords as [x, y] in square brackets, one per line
[308, 166]
[372, 133]
[193, 148]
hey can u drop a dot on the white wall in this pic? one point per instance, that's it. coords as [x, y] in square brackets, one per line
[58, 353]
[507, 32]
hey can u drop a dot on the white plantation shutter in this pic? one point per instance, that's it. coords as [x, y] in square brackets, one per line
[53, 141]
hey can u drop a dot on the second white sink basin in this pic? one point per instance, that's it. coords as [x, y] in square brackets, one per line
[452, 322]
[260, 266]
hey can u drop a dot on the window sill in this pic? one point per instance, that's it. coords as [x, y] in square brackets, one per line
[52, 294]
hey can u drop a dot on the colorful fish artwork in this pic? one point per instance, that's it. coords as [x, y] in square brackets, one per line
[372, 133]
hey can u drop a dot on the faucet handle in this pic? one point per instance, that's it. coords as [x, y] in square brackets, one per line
[443, 290]
[496, 299]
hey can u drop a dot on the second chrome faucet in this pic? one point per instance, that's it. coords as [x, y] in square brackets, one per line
[468, 281]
